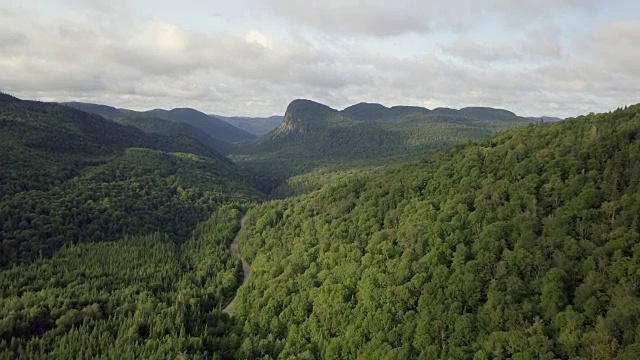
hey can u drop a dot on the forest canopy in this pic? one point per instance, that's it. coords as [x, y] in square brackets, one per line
[525, 245]
[115, 243]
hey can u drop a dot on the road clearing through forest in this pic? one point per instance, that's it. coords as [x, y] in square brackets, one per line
[246, 267]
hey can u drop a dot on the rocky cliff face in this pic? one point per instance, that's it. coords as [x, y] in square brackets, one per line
[301, 115]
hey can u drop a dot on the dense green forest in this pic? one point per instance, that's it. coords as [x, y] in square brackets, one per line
[73, 177]
[142, 297]
[313, 136]
[44, 144]
[523, 246]
[105, 246]
[156, 125]
[211, 125]
[115, 242]
[142, 191]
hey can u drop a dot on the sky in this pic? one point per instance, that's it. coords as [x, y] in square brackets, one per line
[253, 57]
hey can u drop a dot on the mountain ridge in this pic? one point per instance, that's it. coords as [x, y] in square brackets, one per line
[86, 166]
[301, 112]
[524, 245]
[313, 134]
[217, 129]
[214, 127]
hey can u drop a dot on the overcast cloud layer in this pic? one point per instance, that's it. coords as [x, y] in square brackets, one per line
[252, 57]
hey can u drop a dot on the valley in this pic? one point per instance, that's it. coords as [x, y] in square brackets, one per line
[368, 232]
[311, 180]
[246, 267]
[313, 135]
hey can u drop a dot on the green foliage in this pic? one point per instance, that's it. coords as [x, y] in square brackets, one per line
[313, 135]
[139, 192]
[44, 144]
[136, 298]
[208, 130]
[99, 257]
[211, 125]
[317, 178]
[157, 125]
[523, 246]
[71, 177]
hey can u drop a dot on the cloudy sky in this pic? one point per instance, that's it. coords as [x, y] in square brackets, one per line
[252, 57]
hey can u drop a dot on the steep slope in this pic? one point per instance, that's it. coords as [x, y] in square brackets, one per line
[313, 135]
[105, 111]
[522, 246]
[43, 144]
[302, 116]
[67, 176]
[212, 126]
[141, 297]
[152, 124]
[158, 125]
[255, 125]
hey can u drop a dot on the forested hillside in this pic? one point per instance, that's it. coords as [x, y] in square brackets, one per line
[313, 135]
[142, 297]
[72, 177]
[154, 124]
[212, 126]
[142, 191]
[44, 144]
[523, 246]
[208, 129]
[105, 246]
[114, 243]
[157, 125]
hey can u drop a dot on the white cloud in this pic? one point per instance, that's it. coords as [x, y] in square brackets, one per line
[152, 62]
[257, 37]
[384, 18]
[470, 50]
[374, 17]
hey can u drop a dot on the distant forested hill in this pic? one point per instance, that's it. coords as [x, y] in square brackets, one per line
[157, 125]
[114, 243]
[522, 246]
[70, 177]
[214, 127]
[525, 244]
[313, 135]
[44, 144]
[209, 130]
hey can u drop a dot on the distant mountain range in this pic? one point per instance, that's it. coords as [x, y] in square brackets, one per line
[213, 126]
[302, 114]
[47, 143]
[209, 130]
[73, 176]
[372, 111]
[313, 134]
[224, 133]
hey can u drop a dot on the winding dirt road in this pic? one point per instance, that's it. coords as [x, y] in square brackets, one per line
[246, 267]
